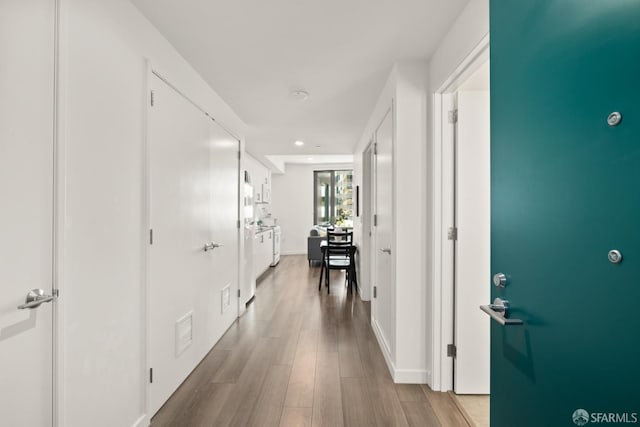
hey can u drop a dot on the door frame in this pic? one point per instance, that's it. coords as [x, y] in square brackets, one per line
[58, 210]
[366, 197]
[443, 217]
[388, 348]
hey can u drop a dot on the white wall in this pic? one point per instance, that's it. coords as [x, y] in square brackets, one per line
[412, 86]
[292, 204]
[469, 29]
[406, 89]
[385, 100]
[103, 48]
[411, 220]
[471, 26]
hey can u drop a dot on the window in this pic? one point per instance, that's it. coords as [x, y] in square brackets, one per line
[333, 197]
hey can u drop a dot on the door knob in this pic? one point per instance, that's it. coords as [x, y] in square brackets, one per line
[35, 297]
[211, 246]
[499, 311]
[500, 280]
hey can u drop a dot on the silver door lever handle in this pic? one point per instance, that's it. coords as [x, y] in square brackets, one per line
[34, 298]
[386, 250]
[499, 311]
[211, 246]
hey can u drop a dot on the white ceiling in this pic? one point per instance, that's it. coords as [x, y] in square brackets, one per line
[279, 162]
[254, 52]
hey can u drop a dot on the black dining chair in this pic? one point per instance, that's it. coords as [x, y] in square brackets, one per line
[338, 255]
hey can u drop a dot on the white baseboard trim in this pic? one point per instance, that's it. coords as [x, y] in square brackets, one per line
[400, 376]
[383, 346]
[362, 296]
[412, 376]
[304, 252]
[143, 421]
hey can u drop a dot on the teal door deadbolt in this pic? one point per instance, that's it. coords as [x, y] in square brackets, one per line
[615, 257]
[614, 119]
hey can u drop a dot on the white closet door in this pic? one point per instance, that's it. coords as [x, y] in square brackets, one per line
[26, 214]
[224, 215]
[180, 273]
[384, 312]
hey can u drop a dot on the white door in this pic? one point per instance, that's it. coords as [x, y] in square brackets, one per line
[224, 169]
[26, 216]
[383, 298]
[179, 268]
[472, 249]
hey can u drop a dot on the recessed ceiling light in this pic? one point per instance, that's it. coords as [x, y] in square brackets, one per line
[299, 94]
[299, 143]
[310, 158]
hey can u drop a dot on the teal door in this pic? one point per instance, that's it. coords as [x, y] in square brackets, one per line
[565, 192]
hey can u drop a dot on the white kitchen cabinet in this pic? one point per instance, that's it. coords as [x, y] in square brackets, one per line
[264, 182]
[263, 252]
[266, 193]
[260, 179]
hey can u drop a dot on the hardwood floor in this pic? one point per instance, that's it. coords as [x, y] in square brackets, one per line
[475, 408]
[299, 357]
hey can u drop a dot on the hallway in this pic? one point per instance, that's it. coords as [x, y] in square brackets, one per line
[301, 358]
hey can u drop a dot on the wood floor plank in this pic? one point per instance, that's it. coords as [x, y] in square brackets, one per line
[287, 351]
[356, 403]
[302, 381]
[335, 373]
[268, 408]
[240, 352]
[189, 391]
[474, 408]
[312, 308]
[410, 393]
[328, 332]
[349, 355]
[387, 407]
[445, 408]
[240, 404]
[420, 414]
[296, 417]
[327, 400]
[307, 341]
[208, 408]
[371, 356]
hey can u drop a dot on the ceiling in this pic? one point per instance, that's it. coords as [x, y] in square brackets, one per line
[253, 53]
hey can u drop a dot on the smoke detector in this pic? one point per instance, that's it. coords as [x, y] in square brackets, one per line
[302, 95]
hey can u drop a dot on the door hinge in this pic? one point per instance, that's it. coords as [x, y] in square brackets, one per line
[375, 292]
[150, 375]
[153, 98]
[375, 148]
[375, 220]
[452, 233]
[453, 116]
[238, 293]
[239, 155]
[151, 236]
[451, 350]
[238, 223]
[56, 293]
